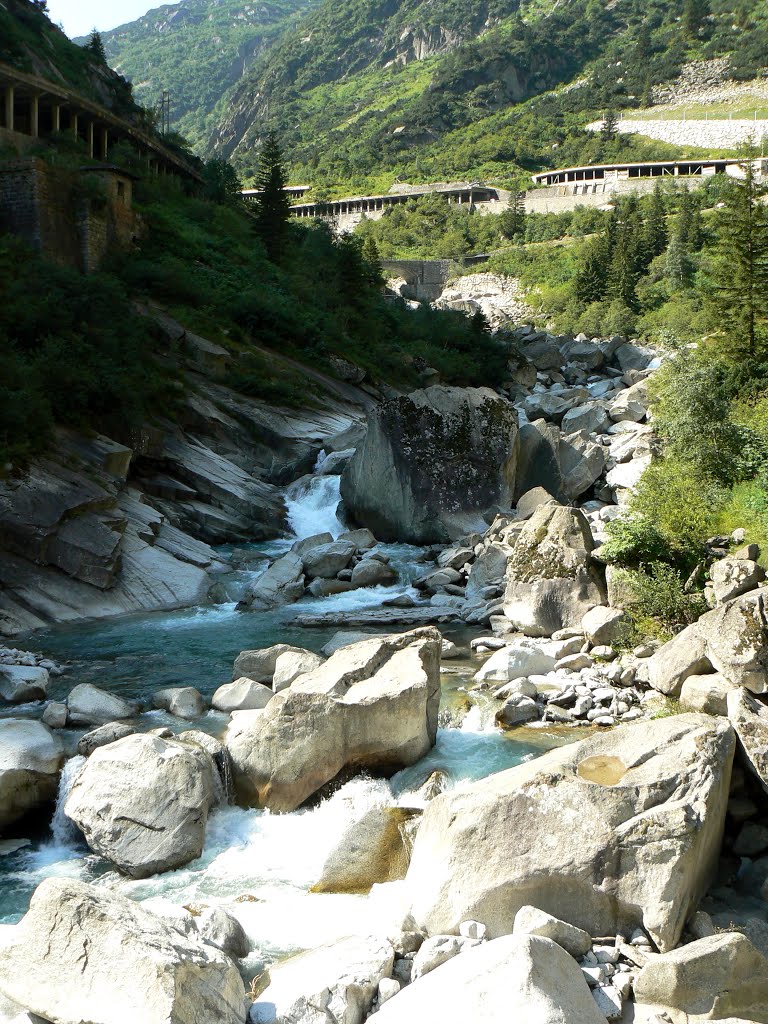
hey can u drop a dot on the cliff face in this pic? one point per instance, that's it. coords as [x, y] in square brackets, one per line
[99, 528]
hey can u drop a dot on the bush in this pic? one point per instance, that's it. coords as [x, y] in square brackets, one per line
[658, 602]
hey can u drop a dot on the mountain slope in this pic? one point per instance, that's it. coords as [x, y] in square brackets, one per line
[366, 90]
[197, 49]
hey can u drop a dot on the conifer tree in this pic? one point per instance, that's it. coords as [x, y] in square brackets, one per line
[655, 232]
[592, 279]
[372, 260]
[95, 47]
[273, 204]
[740, 281]
[512, 220]
[695, 13]
[610, 128]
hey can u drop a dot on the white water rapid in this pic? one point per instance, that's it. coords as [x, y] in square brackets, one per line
[63, 830]
[312, 502]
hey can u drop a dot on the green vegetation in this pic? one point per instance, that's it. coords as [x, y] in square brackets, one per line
[197, 51]
[80, 355]
[31, 43]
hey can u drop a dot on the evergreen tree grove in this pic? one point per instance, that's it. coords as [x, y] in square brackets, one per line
[273, 205]
[95, 47]
[740, 280]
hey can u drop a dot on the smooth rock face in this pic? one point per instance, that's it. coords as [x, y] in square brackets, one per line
[328, 559]
[372, 573]
[719, 976]
[143, 802]
[22, 683]
[515, 978]
[432, 462]
[243, 694]
[103, 735]
[334, 984]
[644, 808]
[218, 928]
[373, 704]
[88, 705]
[706, 694]
[731, 640]
[106, 960]
[30, 759]
[552, 581]
[603, 625]
[750, 720]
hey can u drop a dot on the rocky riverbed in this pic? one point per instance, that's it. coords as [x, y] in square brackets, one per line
[406, 765]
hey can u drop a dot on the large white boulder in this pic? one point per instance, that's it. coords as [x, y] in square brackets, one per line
[30, 759]
[84, 954]
[552, 580]
[243, 694]
[622, 830]
[282, 583]
[334, 984]
[372, 705]
[143, 802]
[718, 976]
[521, 978]
[516, 661]
[90, 705]
[259, 664]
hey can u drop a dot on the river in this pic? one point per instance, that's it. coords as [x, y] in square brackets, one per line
[259, 865]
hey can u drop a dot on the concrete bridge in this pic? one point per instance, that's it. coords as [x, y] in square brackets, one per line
[34, 108]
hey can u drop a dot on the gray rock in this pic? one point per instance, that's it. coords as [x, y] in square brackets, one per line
[582, 463]
[243, 694]
[750, 720]
[292, 664]
[434, 951]
[327, 588]
[259, 664]
[552, 580]
[532, 921]
[20, 684]
[307, 544]
[734, 576]
[218, 928]
[603, 625]
[328, 559]
[720, 976]
[624, 791]
[514, 978]
[362, 539]
[431, 463]
[518, 710]
[30, 759]
[336, 982]
[181, 701]
[706, 694]
[539, 460]
[143, 802]
[373, 704]
[372, 573]
[282, 583]
[55, 715]
[590, 417]
[103, 735]
[122, 957]
[88, 705]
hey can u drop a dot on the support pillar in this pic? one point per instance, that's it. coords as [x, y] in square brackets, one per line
[104, 143]
[90, 140]
[56, 117]
[10, 100]
[34, 116]
[75, 124]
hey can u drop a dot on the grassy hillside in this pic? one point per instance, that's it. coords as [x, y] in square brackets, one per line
[197, 50]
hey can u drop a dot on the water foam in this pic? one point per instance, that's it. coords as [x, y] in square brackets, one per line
[312, 502]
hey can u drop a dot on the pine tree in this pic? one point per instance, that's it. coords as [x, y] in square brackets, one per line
[655, 230]
[372, 260]
[610, 128]
[273, 203]
[740, 282]
[695, 13]
[512, 220]
[592, 279]
[95, 47]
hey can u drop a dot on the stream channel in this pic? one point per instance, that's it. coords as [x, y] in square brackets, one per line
[260, 866]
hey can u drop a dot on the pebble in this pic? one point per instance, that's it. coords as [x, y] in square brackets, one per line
[606, 954]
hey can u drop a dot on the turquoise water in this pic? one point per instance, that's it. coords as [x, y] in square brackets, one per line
[260, 866]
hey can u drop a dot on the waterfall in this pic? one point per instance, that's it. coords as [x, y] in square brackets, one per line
[312, 502]
[64, 831]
